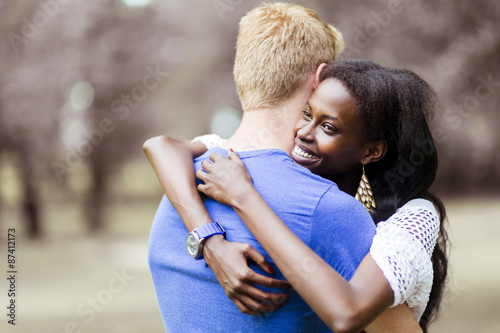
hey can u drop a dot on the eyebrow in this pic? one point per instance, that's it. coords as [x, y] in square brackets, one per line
[331, 118]
[324, 116]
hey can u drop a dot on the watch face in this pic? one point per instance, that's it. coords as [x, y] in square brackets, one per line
[192, 244]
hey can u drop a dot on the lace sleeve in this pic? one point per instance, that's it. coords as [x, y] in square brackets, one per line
[402, 248]
[210, 140]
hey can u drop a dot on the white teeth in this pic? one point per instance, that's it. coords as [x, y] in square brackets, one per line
[302, 153]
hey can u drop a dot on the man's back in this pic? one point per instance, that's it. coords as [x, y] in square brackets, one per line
[331, 222]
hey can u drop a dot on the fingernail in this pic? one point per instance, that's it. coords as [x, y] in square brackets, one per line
[231, 149]
[270, 269]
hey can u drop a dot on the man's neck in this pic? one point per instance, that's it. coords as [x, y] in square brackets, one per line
[270, 128]
[266, 128]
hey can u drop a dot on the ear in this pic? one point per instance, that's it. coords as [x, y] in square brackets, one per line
[318, 72]
[376, 151]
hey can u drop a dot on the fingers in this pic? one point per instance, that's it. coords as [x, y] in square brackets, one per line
[258, 258]
[201, 188]
[260, 301]
[205, 164]
[241, 284]
[267, 301]
[214, 157]
[253, 306]
[201, 173]
[243, 308]
[251, 253]
[266, 281]
[234, 156]
[250, 300]
[253, 301]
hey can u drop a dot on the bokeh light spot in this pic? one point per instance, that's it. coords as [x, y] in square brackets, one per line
[225, 121]
[82, 96]
[136, 3]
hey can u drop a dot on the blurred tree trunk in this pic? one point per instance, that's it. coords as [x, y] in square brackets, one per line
[96, 196]
[31, 201]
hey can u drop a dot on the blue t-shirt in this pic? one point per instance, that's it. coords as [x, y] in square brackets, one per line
[332, 223]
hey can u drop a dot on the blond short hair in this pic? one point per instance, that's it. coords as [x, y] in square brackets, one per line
[279, 45]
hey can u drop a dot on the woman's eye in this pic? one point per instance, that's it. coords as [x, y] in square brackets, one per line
[307, 114]
[329, 128]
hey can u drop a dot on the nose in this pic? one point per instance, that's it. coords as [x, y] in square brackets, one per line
[306, 132]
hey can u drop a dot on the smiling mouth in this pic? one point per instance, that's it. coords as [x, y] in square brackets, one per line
[297, 150]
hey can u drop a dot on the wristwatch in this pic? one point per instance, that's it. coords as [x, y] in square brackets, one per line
[196, 238]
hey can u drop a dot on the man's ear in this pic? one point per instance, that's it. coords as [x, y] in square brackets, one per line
[376, 151]
[318, 72]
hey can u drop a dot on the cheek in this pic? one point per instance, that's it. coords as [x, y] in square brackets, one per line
[339, 155]
[330, 150]
[298, 125]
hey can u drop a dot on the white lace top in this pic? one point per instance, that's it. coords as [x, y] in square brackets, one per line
[402, 247]
[210, 140]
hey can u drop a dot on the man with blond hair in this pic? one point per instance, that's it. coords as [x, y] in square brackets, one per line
[279, 55]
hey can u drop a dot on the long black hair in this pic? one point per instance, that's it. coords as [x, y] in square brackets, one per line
[394, 105]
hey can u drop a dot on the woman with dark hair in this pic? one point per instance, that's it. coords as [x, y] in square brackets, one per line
[364, 122]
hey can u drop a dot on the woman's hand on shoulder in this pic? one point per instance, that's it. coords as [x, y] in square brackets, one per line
[226, 180]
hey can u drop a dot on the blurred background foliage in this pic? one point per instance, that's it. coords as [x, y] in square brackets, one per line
[71, 67]
[84, 83]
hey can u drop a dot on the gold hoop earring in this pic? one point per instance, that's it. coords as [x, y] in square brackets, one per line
[365, 194]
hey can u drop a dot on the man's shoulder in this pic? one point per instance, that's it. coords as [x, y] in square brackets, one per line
[338, 202]
[277, 172]
[275, 165]
[341, 231]
[333, 193]
[280, 164]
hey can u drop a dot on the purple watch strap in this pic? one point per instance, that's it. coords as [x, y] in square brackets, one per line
[209, 229]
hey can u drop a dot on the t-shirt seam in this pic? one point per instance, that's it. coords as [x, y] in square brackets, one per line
[314, 214]
[255, 152]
